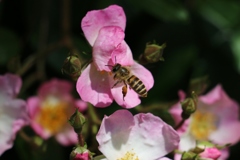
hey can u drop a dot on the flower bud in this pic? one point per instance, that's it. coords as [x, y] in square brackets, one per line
[189, 106]
[198, 85]
[81, 153]
[189, 156]
[210, 153]
[152, 53]
[72, 66]
[77, 120]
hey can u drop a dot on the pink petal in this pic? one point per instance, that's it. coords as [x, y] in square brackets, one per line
[110, 41]
[67, 137]
[93, 87]
[10, 84]
[212, 153]
[97, 19]
[214, 95]
[114, 133]
[144, 134]
[224, 154]
[81, 105]
[143, 74]
[131, 99]
[177, 156]
[226, 111]
[153, 136]
[13, 118]
[122, 55]
[33, 106]
[55, 87]
[221, 135]
[82, 156]
[7, 136]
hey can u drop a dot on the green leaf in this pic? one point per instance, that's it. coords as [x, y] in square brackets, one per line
[235, 41]
[222, 14]
[168, 10]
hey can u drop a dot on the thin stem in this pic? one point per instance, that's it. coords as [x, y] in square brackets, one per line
[179, 124]
[28, 139]
[80, 139]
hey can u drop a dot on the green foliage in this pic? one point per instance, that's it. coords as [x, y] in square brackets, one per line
[9, 45]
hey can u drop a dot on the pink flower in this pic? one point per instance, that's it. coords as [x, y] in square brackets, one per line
[13, 113]
[104, 30]
[80, 153]
[143, 136]
[211, 153]
[216, 119]
[82, 156]
[50, 110]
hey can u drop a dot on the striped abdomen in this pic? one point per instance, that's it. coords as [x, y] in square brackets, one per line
[137, 85]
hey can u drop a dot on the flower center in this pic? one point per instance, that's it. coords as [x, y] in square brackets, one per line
[203, 123]
[129, 156]
[53, 116]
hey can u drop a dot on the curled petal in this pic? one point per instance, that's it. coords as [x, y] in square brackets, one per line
[93, 87]
[97, 19]
[122, 55]
[108, 41]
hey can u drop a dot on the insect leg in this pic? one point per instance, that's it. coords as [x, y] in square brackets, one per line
[124, 89]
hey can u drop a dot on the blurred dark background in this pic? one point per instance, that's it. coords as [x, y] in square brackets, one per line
[202, 37]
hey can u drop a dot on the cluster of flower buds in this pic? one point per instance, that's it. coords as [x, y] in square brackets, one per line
[189, 106]
[204, 150]
[152, 53]
[80, 152]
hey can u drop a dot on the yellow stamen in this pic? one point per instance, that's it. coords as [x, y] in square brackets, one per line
[129, 156]
[53, 116]
[203, 123]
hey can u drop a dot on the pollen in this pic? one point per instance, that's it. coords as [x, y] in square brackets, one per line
[53, 116]
[203, 124]
[103, 72]
[129, 156]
